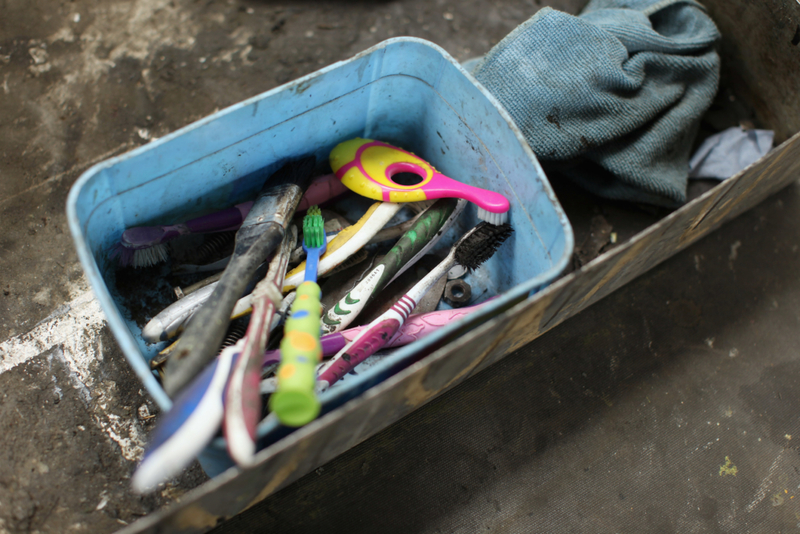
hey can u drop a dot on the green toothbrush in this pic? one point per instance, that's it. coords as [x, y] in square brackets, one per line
[428, 229]
[295, 402]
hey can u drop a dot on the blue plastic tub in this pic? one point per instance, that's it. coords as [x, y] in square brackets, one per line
[405, 91]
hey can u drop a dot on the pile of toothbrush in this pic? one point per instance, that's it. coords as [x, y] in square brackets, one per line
[218, 369]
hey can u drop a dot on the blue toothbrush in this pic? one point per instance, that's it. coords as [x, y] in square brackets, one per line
[191, 424]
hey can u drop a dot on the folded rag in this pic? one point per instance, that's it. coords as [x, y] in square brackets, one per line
[612, 98]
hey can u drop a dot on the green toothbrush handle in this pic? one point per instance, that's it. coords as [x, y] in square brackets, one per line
[428, 229]
[295, 401]
[423, 232]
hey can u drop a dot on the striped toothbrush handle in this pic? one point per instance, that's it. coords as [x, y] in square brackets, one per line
[242, 397]
[427, 230]
[368, 342]
[416, 327]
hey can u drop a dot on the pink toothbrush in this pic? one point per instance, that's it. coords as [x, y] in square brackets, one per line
[380, 171]
[416, 327]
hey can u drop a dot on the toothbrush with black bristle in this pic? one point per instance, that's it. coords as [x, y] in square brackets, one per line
[295, 402]
[262, 231]
[477, 246]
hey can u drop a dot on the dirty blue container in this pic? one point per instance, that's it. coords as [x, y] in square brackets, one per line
[404, 91]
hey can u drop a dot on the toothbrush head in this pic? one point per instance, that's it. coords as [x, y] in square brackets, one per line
[496, 219]
[314, 229]
[144, 246]
[480, 244]
[141, 257]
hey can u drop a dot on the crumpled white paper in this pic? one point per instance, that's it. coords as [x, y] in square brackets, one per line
[724, 154]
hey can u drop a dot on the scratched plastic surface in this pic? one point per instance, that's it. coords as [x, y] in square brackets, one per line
[404, 91]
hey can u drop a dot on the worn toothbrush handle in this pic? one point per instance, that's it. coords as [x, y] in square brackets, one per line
[365, 345]
[227, 219]
[207, 327]
[184, 431]
[415, 328]
[321, 190]
[369, 341]
[242, 395]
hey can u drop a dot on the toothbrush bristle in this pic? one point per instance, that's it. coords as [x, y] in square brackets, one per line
[147, 257]
[313, 228]
[123, 255]
[481, 244]
[492, 218]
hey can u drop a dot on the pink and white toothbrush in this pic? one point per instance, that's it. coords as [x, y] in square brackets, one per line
[416, 327]
[477, 246]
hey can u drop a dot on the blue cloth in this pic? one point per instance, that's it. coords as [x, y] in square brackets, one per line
[612, 98]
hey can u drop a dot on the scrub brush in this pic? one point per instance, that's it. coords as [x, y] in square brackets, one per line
[477, 246]
[295, 402]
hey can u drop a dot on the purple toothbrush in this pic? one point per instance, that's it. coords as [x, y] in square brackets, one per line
[144, 246]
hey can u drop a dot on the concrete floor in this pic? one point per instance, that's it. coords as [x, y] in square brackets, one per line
[85, 80]
[715, 328]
